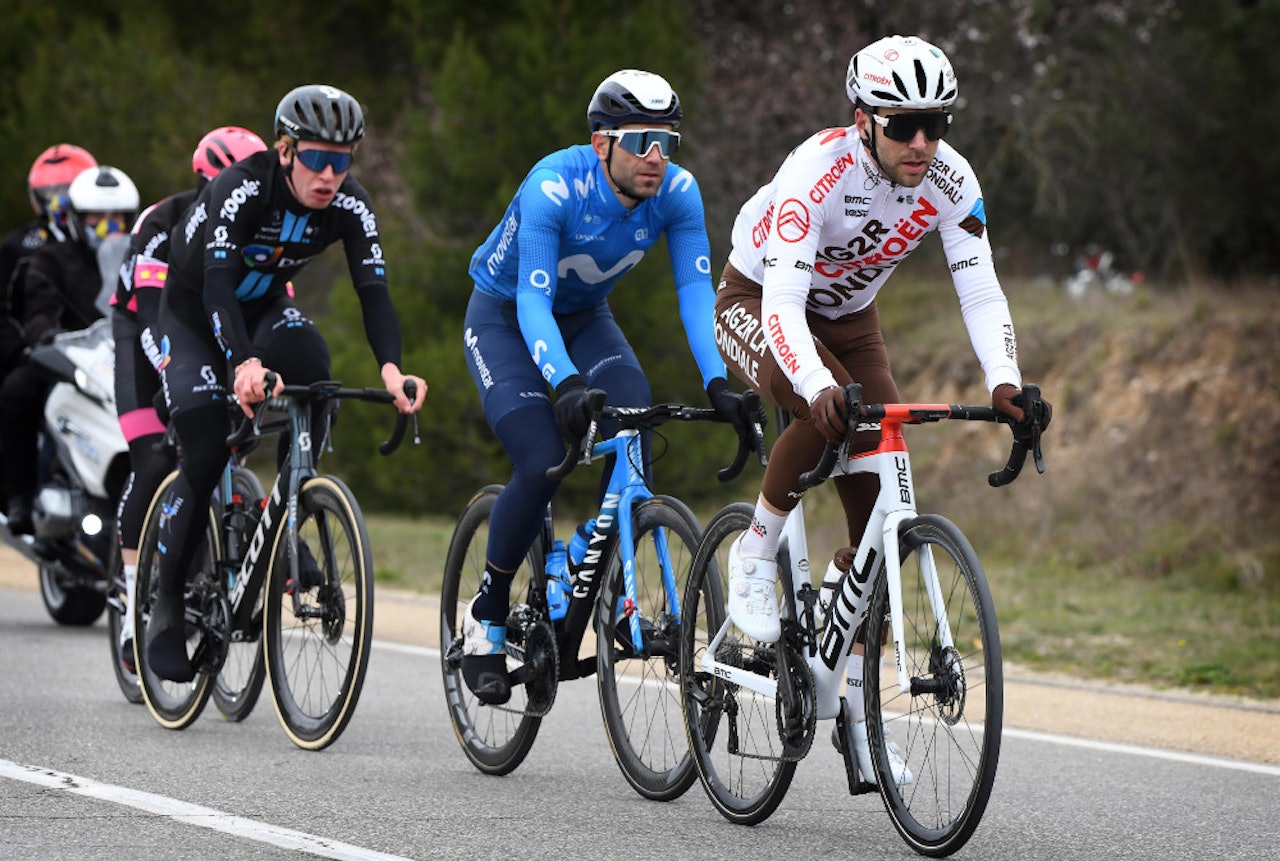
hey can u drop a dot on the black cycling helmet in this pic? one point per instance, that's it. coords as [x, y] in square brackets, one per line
[633, 96]
[318, 112]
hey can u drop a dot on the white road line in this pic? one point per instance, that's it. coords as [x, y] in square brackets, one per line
[1136, 750]
[193, 814]
[1029, 735]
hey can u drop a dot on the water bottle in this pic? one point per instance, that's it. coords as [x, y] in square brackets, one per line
[580, 540]
[557, 581]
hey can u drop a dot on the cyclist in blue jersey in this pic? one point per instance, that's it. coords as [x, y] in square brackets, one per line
[583, 217]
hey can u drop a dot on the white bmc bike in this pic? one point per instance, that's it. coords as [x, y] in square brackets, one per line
[751, 708]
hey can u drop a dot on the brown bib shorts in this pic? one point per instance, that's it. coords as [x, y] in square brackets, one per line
[851, 347]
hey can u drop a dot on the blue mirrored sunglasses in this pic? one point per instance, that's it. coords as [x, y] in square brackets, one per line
[318, 159]
[638, 142]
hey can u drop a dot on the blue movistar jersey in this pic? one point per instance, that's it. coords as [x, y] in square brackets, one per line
[566, 239]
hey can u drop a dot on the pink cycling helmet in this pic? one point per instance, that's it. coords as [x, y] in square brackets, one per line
[222, 147]
[52, 172]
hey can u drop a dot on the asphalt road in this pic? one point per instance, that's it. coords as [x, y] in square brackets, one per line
[85, 775]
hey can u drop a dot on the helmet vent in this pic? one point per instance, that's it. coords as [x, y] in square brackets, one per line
[922, 81]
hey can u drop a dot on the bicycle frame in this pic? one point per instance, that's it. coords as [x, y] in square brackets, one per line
[248, 575]
[828, 654]
[626, 488]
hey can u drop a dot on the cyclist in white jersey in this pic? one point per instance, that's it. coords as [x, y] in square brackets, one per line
[795, 309]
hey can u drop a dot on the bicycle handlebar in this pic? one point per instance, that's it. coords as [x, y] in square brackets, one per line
[1026, 434]
[402, 420]
[327, 390]
[646, 418]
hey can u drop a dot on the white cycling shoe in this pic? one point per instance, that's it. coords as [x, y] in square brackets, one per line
[862, 748]
[753, 603]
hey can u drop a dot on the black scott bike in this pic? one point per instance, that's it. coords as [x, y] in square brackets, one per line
[292, 571]
[626, 587]
[239, 682]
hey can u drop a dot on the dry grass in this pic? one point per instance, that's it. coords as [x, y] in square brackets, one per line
[1150, 549]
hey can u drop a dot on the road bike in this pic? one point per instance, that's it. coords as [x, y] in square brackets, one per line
[624, 583]
[284, 580]
[239, 681]
[751, 708]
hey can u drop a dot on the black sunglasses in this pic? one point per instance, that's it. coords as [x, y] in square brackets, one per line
[903, 127]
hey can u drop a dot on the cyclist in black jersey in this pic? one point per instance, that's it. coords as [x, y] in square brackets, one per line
[135, 307]
[227, 318]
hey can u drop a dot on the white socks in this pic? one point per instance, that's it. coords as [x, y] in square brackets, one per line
[761, 539]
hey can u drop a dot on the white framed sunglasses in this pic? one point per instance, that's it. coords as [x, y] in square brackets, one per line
[638, 142]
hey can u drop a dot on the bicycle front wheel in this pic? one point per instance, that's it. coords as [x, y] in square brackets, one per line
[640, 690]
[318, 630]
[239, 682]
[732, 730]
[947, 727]
[495, 738]
[174, 705]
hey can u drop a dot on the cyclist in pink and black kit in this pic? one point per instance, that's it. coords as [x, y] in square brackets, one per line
[795, 311]
[135, 309]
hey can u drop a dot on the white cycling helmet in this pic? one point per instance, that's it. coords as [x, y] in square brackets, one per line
[101, 189]
[901, 72]
[633, 96]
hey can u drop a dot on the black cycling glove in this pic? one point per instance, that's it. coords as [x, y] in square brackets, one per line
[570, 409]
[728, 404]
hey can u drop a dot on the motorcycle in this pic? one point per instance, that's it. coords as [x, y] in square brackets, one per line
[83, 465]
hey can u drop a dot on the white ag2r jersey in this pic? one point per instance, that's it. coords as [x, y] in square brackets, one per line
[825, 235]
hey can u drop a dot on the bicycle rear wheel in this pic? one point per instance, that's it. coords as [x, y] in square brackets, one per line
[318, 631]
[174, 705]
[239, 682]
[732, 731]
[495, 738]
[948, 731]
[640, 692]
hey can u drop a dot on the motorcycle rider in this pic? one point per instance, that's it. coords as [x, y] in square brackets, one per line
[135, 310]
[47, 182]
[57, 291]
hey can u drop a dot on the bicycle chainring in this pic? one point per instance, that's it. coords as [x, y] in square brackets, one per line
[215, 631]
[797, 714]
[541, 670]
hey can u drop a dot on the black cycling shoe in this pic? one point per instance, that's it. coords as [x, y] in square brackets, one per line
[167, 642]
[486, 677]
[484, 659]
